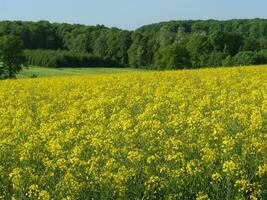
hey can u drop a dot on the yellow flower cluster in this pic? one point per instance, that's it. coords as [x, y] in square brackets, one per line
[190, 134]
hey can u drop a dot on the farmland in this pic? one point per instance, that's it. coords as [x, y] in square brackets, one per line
[190, 134]
[55, 72]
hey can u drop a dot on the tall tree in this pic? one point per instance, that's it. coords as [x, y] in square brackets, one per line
[138, 51]
[172, 57]
[11, 55]
[199, 48]
[233, 43]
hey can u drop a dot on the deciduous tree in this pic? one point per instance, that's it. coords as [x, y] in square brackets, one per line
[11, 55]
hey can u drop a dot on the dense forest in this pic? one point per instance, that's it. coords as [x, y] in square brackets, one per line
[166, 45]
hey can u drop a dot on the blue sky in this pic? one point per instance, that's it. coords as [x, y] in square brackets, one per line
[129, 14]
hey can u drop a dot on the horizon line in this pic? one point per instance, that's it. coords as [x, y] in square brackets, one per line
[153, 23]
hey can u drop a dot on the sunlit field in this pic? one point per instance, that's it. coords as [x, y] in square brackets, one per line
[51, 72]
[190, 134]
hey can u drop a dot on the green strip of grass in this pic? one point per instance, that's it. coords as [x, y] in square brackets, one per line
[49, 72]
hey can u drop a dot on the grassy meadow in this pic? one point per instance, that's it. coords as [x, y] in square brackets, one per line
[189, 134]
[50, 72]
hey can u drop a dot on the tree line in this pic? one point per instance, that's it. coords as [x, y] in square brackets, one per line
[62, 58]
[166, 45]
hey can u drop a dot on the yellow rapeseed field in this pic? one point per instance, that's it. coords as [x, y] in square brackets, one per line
[192, 134]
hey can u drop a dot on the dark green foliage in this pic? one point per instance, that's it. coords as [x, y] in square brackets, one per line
[100, 41]
[113, 44]
[11, 56]
[52, 58]
[172, 57]
[263, 55]
[246, 58]
[228, 61]
[230, 43]
[142, 50]
[217, 40]
[233, 43]
[251, 44]
[199, 48]
[215, 59]
[41, 35]
[175, 44]
[209, 43]
[2, 72]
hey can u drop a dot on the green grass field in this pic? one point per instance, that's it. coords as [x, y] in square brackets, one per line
[49, 72]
